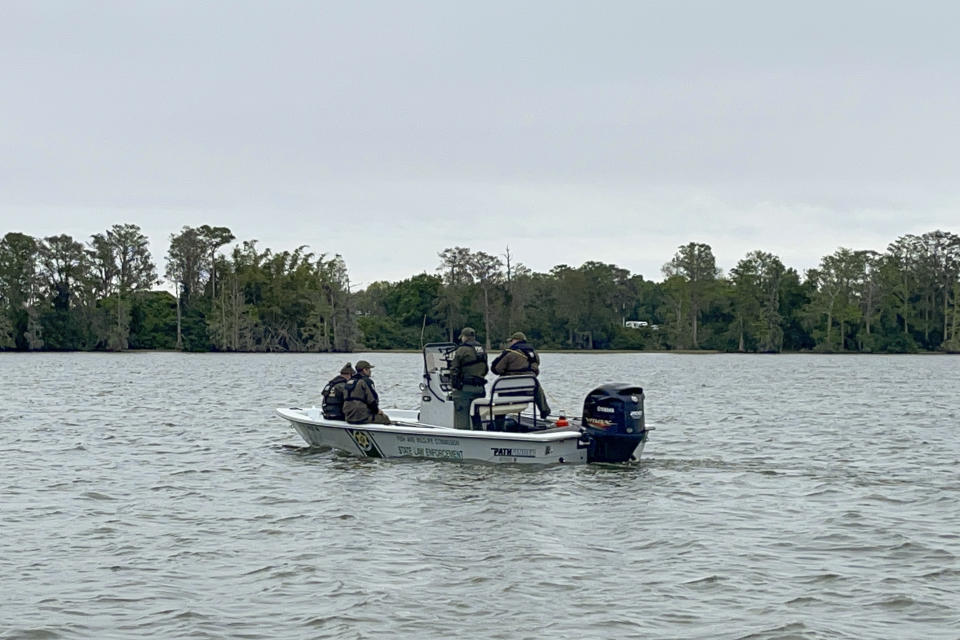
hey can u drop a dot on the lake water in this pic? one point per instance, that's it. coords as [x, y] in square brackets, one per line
[156, 495]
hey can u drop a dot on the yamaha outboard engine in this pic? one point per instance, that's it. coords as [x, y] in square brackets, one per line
[613, 423]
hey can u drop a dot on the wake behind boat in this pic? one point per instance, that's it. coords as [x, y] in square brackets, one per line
[506, 429]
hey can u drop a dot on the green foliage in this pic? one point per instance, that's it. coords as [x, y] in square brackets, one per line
[624, 338]
[395, 314]
[381, 332]
[692, 275]
[794, 298]
[153, 321]
[59, 293]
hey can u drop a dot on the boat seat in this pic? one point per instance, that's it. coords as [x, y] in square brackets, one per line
[508, 394]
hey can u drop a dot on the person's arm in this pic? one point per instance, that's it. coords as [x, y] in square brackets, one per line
[456, 369]
[497, 366]
[370, 397]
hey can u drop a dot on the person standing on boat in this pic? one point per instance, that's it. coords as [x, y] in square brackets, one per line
[468, 373]
[333, 394]
[519, 358]
[361, 402]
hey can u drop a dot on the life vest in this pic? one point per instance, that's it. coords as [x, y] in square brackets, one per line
[527, 351]
[333, 401]
[523, 349]
[350, 390]
[469, 372]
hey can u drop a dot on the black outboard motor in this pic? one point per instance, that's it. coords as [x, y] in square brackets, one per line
[613, 422]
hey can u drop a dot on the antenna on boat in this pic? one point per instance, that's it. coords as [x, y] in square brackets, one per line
[423, 327]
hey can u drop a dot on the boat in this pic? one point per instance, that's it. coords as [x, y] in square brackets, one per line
[505, 429]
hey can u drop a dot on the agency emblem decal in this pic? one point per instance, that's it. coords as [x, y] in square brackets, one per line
[366, 443]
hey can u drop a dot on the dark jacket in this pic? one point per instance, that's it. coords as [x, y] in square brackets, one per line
[333, 398]
[361, 401]
[469, 365]
[516, 360]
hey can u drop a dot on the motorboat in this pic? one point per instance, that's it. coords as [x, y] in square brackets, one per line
[505, 427]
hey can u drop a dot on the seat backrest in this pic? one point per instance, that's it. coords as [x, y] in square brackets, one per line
[513, 390]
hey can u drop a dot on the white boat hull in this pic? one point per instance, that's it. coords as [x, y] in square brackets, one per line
[408, 438]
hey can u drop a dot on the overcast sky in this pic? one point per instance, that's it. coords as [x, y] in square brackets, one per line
[570, 131]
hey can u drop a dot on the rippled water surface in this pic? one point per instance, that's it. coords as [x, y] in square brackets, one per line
[157, 495]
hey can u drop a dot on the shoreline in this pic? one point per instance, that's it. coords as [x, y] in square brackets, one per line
[686, 352]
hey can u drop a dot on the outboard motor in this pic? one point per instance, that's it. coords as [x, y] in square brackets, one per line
[613, 422]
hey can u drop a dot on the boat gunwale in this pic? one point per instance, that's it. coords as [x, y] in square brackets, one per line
[418, 428]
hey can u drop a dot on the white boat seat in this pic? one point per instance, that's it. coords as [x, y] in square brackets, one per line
[508, 394]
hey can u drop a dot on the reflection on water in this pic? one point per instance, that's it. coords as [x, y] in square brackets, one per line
[156, 495]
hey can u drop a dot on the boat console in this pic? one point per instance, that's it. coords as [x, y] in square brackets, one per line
[436, 405]
[506, 396]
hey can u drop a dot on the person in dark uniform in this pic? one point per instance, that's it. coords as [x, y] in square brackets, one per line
[333, 394]
[468, 371]
[519, 358]
[361, 402]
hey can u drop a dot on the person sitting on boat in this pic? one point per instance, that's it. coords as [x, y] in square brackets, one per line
[468, 371]
[333, 394]
[519, 358]
[361, 402]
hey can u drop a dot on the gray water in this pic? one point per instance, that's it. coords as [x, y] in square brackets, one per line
[156, 495]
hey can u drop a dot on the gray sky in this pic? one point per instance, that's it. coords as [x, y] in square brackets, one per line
[570, 131]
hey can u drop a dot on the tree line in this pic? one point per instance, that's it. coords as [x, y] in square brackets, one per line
[57, 293]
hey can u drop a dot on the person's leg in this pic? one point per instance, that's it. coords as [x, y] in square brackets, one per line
[542, 402]
[473, 419]
[461, 409]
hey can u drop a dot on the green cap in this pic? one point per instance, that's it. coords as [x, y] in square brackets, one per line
[468, 332]
[518, 335]
[363, 364]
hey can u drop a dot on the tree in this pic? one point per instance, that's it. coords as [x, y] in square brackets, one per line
[487, 271]
[903, 257]
[570, 302]
[608, 296]
[212, 239]
[871, 298]
[519, 291]
[334, 286]
[185, 264]
[153, 321]
[940, 264]
[19, 288]
[63, 269]
[455, 271]
[838, 280]
[756, 281]
[7, 340]
[234, 328]
[123, 267]
[696, 268]
[922, 271]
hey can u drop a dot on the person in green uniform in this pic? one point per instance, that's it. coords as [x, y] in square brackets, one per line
[519, 358]
[333, 394]
[362, 404]
[468, 371]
